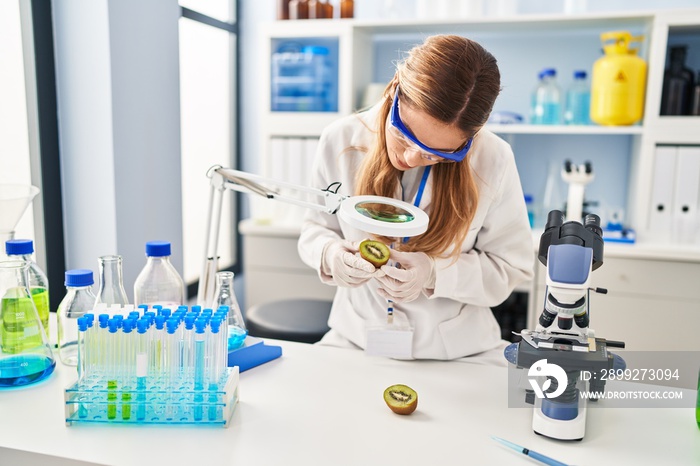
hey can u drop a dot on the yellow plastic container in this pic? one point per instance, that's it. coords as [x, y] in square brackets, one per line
[619, 81]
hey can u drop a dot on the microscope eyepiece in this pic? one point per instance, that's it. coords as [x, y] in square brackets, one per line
[555, 218]
[592, 224]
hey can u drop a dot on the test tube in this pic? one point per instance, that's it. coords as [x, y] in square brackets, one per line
[142, 345]
[172, 364]
[112, 367]
[214, 349]
[188, 337]
[157, 355]
[199, 365]
[127, 367]
[82, 328]
[101, 342]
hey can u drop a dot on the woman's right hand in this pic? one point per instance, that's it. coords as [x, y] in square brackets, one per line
[345, 266]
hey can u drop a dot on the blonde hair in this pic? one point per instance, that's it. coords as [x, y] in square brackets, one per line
[454, 80]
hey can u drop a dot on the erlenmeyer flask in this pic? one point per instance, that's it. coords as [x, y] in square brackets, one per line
[111, 287]
[25, 354]
[224, 295]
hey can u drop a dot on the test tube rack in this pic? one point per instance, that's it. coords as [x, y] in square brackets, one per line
[91, 401]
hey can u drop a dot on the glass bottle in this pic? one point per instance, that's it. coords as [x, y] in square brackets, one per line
[282, 9]
[22, 249]
[299, 9]
[25, 354]
[546, 99]
[317, 9]
[224, 295]
[159, 282]
[110, 289]
[347, 8]
[678, 84]
[329, 9]
[578, 101]
[78, 300]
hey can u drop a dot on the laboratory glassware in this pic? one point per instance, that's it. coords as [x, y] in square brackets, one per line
[299, 9]
[111, 285]
[676, 95]
[78, 300]
[546, 99]
[224, 295]
[14, 200]
[578, 101]
[347, 8]
[25, 354]
[22, 249]
[159, 282]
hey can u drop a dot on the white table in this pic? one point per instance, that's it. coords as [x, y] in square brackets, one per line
[323, 406]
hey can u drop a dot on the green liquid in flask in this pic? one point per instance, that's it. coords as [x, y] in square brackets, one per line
[20, 329]
[41, 301]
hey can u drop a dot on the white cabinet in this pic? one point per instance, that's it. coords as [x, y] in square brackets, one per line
[623, 157]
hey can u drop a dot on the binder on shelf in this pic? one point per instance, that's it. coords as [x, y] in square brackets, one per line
[685, 217]
[661, 200]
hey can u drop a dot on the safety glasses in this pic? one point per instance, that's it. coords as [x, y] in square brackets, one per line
[399, 130]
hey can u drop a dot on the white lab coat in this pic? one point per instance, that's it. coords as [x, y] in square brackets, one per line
[454, 319]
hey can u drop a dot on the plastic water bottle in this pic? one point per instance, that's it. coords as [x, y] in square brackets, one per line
[78, 300]
[22, 249]
[159, 282]
[578, 101]
[546, 99]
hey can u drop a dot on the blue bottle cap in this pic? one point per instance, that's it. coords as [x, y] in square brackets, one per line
[79, 277]
[580, 74]
[19, 246]
[157, 248]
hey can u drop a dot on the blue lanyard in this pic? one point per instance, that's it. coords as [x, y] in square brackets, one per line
[421, 188]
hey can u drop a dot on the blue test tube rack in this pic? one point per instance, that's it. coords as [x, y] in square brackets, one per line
[133, 371]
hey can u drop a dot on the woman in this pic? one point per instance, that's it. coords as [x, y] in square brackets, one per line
[425, 143]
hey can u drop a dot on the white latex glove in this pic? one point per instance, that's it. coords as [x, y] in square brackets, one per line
[404, 281]
[342, 262]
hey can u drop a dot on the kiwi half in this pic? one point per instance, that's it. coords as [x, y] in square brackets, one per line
[375, 252]
[401, 399]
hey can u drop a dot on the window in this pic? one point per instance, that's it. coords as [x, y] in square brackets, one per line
[208, 44]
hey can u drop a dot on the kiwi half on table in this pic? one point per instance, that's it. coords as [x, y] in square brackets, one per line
[375, 252]
[401, 399]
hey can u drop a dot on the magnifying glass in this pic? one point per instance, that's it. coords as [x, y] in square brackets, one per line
[383, 216]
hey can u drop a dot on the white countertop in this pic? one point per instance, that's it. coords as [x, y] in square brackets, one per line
[323, 406]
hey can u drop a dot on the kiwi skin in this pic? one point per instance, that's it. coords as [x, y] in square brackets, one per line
[374, 252]
[401, 399]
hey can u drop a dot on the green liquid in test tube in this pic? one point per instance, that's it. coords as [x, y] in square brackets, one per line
[112, 368]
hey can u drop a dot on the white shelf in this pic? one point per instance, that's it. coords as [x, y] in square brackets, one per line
[564, 129]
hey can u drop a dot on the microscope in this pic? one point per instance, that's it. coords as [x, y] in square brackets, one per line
[563, 356]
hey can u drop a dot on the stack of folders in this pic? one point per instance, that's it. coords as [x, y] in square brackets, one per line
[674, 209]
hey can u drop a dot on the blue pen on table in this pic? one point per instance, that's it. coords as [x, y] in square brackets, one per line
[532, 454]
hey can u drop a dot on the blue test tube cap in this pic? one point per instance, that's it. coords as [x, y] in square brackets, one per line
[82, 323]
[197, 308]
[171, 326]
[103, 319]
[160, 322]
[90, 317]
[200, 325]
[142, 326]
[143, 307]
[113, 325]
[166, 312]
[182, 307]
[127, 325]
[189, 321]
[134, 315]
[215, 325]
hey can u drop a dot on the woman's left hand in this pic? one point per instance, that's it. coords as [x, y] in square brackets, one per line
[404, 281]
